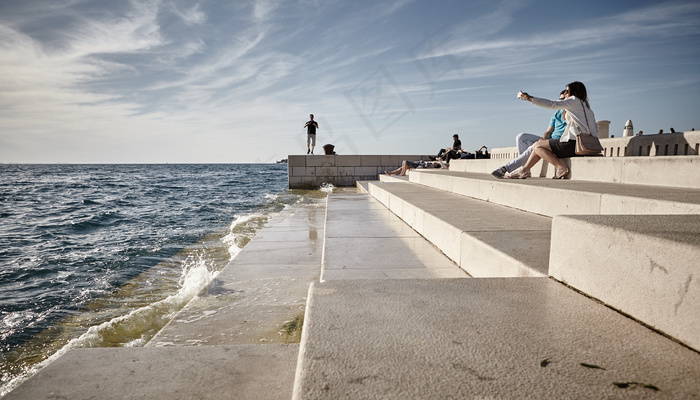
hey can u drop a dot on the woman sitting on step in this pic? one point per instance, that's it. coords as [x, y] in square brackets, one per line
[579, 120]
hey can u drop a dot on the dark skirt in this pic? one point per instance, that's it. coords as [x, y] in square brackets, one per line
[563, 149]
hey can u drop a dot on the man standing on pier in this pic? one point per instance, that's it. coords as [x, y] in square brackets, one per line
[311, 127]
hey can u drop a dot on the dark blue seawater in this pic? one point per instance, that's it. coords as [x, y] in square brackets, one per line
[104, 255]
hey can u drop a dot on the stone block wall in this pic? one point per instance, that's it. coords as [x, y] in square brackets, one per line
[311, 171]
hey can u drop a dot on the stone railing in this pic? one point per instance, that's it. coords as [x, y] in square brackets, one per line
[667, 144]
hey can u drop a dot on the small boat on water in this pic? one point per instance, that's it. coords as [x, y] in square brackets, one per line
[282, 161]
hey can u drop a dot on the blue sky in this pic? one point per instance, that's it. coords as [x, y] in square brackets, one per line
[214, 81]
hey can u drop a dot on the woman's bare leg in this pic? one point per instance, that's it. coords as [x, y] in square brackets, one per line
[542, 150]
[394, 172]
[398, 171]
[546, 153]
[532, 160]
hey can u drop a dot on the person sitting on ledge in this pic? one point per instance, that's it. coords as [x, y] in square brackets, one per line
[579, 120]
[524, 141]
[408, 165]
[456, 146]
[454, 155]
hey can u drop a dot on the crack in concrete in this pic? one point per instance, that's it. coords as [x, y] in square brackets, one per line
[684, 293]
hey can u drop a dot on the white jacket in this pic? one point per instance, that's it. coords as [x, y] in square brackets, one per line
[576, 114]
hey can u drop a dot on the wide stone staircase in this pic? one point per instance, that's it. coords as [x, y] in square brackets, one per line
[443, 285]
[586, 289]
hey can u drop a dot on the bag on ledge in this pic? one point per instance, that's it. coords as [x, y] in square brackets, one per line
[483, 154]
[588, 145]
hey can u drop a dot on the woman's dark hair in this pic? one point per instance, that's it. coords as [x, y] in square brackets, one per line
[578, 89]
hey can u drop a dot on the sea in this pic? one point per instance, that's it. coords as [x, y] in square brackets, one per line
[106, 255]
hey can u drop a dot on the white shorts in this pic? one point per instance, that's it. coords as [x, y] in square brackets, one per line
[311, 139]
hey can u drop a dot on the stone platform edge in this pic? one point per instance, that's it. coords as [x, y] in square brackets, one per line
[312, 171]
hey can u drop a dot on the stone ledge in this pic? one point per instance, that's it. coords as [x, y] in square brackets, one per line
[673, 171]
[668, 144]
[312, 171]
[557, 197]
[645, 266]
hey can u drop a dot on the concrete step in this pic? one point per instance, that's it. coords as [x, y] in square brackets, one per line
[393, 178]
[261, 289]
[364, 240]
[669, 171]
[205, 372]
[556, 197]
[484, 239]
[481, 338]
[645, 266]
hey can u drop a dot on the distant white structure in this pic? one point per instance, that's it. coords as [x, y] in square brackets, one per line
[603, 129]
[629, 129]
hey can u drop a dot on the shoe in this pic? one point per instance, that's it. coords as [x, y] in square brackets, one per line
[312, 153]
[519, 173]
[500, 173]
[560, 173]
[308, 151]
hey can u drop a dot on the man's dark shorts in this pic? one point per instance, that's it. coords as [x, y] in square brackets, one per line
[563, 149]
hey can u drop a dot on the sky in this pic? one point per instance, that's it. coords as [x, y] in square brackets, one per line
[234, 81]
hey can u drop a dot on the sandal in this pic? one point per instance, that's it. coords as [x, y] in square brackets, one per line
[519, 173]
[560, 173]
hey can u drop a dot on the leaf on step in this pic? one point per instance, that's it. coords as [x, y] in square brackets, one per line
[632, 385]
[544, 362]
[593, 366]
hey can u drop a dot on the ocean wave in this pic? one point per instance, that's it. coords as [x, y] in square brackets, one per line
[242, 229]
[132, 329]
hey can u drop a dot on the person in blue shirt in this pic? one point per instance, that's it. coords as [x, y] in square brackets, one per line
[524, 141]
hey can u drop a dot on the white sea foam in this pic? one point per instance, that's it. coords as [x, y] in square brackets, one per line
[233, 238]
[327, 187]
[195, 275]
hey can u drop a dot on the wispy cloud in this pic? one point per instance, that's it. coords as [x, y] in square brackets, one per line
[263, 9]
[136, 30]
[390, 8]
[653, 22]
[192, 16]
